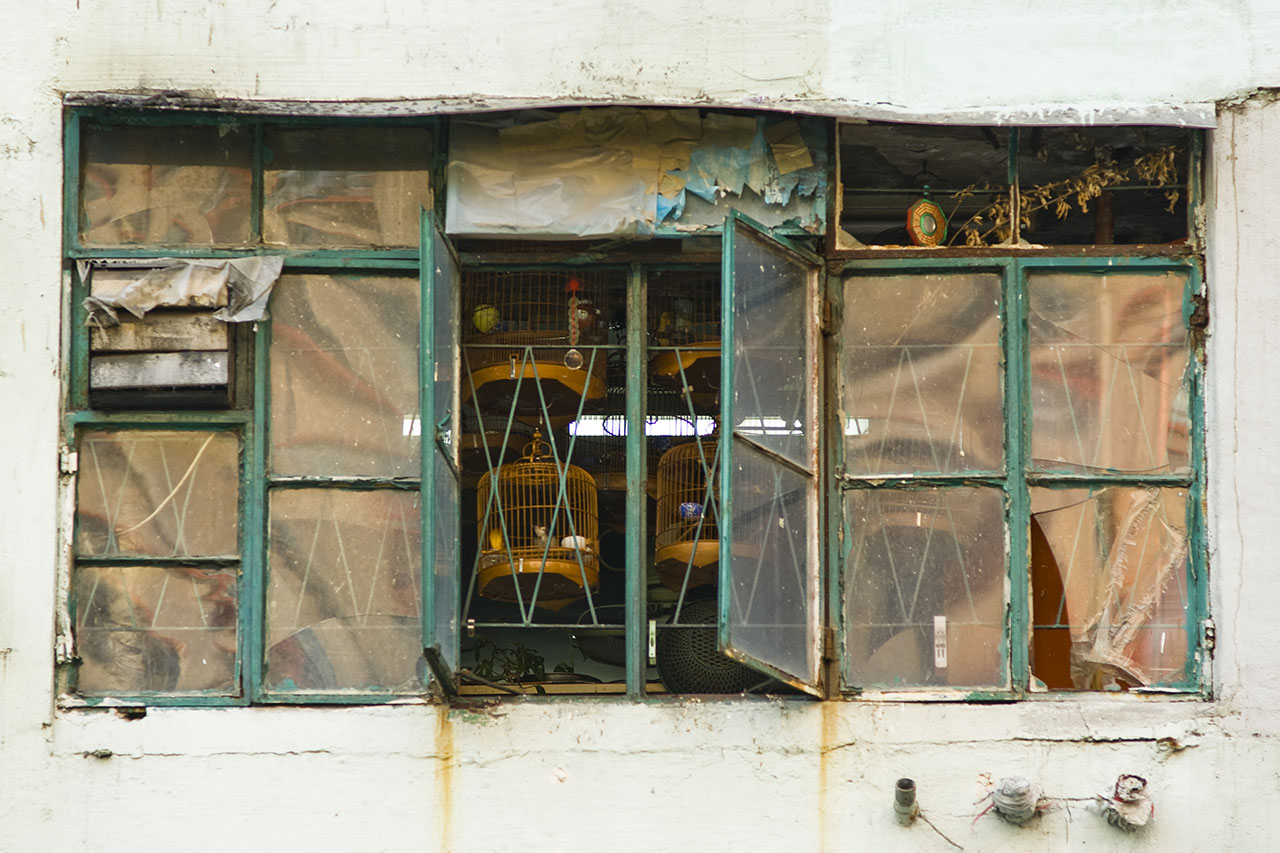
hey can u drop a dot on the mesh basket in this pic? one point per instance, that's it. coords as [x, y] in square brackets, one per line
[689, 660]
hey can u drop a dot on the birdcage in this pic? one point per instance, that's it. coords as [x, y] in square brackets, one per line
[684, 326]
[688, 538]
[530, 337]
[537, 544]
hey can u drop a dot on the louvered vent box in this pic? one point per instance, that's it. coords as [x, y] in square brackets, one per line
[171, 358]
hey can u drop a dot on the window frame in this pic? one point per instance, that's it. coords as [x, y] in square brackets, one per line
[248, 415]
[1017, 477]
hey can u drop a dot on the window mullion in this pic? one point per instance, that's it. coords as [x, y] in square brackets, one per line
[1017, 497]
[253, 524]
[637, 482]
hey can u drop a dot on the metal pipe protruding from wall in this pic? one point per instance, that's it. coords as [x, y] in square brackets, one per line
[904, 802]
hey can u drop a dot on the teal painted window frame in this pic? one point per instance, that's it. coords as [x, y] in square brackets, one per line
[249, 420]
[1017, 478]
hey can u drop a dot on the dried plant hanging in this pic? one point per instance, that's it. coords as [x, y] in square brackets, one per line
[993, 224]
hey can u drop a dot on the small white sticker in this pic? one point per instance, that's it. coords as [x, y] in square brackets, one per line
[940, 642]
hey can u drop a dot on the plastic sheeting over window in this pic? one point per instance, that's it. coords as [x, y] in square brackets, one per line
[624, 170]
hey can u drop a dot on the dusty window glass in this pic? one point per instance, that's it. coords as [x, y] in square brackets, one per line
[166, 186]
[344, 376]
[157, 493]
[771, 593]
[155, 629]
[1109, 587]
[346, 186]
[925, 587]
[1110, 378]
[921, 374]
[774, 369]
[343, 602]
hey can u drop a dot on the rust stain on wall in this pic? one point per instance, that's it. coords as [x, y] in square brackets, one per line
[444, 776]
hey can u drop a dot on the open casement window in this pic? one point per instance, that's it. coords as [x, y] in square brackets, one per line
[1021, 476]
[770, 602]
[626, 472]
[440, 472]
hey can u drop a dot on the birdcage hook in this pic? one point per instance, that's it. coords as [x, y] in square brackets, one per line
[531, 452]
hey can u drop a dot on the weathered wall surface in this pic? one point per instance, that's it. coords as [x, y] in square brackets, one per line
[718, 775]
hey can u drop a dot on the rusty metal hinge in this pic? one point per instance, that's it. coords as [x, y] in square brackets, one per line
[68, 460]
[827, 321]
[828, 643]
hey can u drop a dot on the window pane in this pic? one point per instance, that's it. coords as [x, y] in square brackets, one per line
[921, 375]
[775, 367]
[1109, 378]
[343, 594]
[773, 577]
[444, 499]
[1109, 587]
[159, 493]
[1140, 174]
[155, 629]
[925, 587]
[166, 186]
[344, 376]
[886, 167]
[346, 186]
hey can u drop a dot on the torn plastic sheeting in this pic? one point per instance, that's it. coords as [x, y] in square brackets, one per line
[623, 170]
[241, 285]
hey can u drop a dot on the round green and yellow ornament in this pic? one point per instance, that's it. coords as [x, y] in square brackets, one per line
[926, 223]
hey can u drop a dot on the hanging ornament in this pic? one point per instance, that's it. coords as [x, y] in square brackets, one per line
[926, 223]
[573, 359]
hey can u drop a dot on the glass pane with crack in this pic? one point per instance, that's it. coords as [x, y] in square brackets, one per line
[343, 602]
[158, 493]
[1109, 573]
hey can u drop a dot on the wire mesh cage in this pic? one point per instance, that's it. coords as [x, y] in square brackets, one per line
[684, 322]
[530, 338]
[539, 545]
[687, 553]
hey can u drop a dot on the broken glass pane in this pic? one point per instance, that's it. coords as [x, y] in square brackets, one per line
[346, 186]
[344, 376]
[159, 493]
[885, 168]
[773, 590]
[1103, 185]
[921, 374]
[775, 368]
[1109, 587]
[172, 186]
[155, 629]
[925, 587]
[1109, 372]
[343, 594]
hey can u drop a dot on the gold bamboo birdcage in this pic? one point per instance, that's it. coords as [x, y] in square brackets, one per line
[537, 545]
[522, 330]
[688, 538]
[684, 321]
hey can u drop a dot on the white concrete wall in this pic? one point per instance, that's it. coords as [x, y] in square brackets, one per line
[716, 775]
